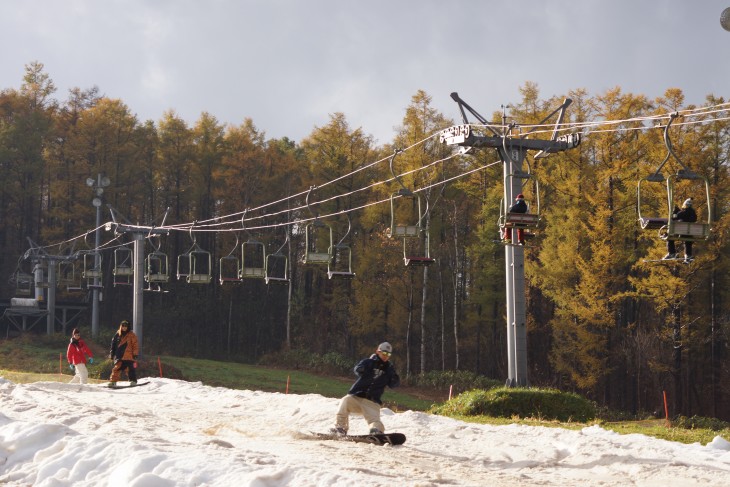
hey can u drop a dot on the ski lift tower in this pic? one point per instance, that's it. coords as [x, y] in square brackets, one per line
[139, 235]
[512, 151]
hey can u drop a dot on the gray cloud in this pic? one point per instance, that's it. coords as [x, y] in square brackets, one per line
[289, 64]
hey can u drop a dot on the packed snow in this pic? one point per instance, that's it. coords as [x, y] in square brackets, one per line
[172, 432]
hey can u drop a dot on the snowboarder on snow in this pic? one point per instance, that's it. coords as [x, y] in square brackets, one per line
[123, 352]
[374, 373]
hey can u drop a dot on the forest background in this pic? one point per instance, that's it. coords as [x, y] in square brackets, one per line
[601, 320]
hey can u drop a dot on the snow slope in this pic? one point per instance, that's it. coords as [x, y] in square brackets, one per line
[176, 433]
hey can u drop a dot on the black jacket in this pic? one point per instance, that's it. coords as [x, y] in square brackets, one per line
[685, 214]
[519, 207]
[373, 375]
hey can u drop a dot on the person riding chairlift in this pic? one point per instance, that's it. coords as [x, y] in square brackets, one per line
[520, 206]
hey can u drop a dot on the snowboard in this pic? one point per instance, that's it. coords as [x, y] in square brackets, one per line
[377, 439]
[138, 384]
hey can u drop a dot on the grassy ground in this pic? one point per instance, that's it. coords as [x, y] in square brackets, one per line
[35, 358]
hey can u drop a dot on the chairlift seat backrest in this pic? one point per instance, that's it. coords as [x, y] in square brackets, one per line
[405, 231]
[123, 270]
[317, 258]
[254, 272]
[24, 303]
[521, 220]
[688, 231]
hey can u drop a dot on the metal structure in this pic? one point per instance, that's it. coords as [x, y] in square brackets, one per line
[407, 221]
[46, 279]
[341, 265]
[512, 151]
[668, 227]
[153, 269]
[318, 239]
[97, 185]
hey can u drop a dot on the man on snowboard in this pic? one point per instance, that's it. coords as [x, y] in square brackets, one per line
[374, 373]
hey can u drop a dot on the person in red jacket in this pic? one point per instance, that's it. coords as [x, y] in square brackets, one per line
[76, 355]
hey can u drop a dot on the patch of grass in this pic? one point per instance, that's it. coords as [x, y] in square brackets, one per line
[241, 376]
[549, 404]
[30, 358]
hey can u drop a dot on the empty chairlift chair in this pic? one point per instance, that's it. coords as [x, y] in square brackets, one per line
[229, 267]
[318, 243]
[406, 222]
[23, 283]
[277, 265]
[157, 270]
[253, 260]
[123, 270]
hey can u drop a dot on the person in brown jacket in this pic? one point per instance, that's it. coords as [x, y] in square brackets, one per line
[124, 351]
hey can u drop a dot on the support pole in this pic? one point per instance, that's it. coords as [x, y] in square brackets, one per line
[138, 288]
[515, 277]
[51, 304]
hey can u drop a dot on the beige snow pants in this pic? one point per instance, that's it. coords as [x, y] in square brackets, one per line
[358, 405]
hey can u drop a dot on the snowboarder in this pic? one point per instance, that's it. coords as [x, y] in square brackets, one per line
[374, 373]
[123, 352]
[76, 356]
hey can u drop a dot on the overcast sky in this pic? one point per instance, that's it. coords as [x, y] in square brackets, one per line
[289, 64]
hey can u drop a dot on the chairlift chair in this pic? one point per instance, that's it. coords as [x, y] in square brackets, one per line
[405, 205]
[318, 243]
[23, 283]
[123, 271]
[123, 262]
[229, 269]
[253, 259]
[406, 216]
[196, 265]
[91, 269]
[200, 266]
[66, 273]
[229, 266]
[341, 265]
[668, 228]
[277, 268]
[70, 274]
[412, 257]
[686, 231]
[531, 219]
[157, 268]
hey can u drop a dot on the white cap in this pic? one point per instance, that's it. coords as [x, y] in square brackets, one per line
[385, 347]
